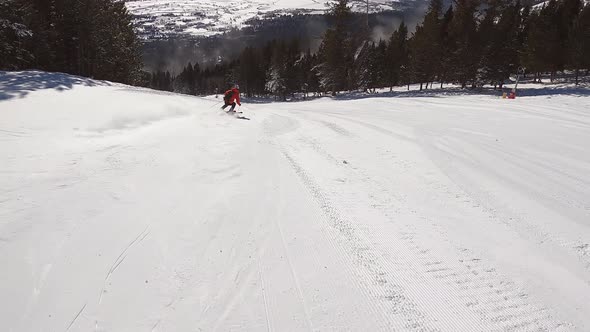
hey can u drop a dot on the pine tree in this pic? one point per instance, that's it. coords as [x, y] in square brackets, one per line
[309, 80]
[568, 11]
[447, 47]
[579, 41]
[500, 54]
[190, 79]
[335, 51]
[40, 17]
[185, 82]
[397, 57]
[282, 74]
[425, 45]
[464, 59]
[534, 44]
[523, 32]
[14, 36]
[484, 46]
[544, 44]
[197, 78]
[378, 65]
[363, 66]
[252, 72]
[293, 55]
[276, 81]
[304, 67]
[92, 38]
[122, 60]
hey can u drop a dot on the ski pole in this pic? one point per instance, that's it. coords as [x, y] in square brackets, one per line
[216, 104]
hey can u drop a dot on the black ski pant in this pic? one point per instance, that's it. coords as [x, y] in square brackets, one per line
[233, 105]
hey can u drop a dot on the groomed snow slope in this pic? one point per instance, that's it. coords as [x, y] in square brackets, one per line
[124, 209]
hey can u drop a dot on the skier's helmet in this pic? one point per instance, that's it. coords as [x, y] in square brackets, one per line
[237, 86]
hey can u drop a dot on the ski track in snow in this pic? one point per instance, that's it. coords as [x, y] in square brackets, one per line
[449, 213]
[436, 266]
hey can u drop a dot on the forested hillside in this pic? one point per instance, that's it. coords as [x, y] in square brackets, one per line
[470, 43]
[92, 38]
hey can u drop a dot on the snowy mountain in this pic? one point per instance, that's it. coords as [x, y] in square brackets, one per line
[127, 209]
[163, 18]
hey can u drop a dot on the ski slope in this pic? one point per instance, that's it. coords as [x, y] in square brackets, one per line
[125, 209]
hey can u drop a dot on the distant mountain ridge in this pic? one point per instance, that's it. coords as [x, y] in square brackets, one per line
[162, 19]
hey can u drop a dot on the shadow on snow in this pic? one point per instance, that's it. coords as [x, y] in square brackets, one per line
[20, 84]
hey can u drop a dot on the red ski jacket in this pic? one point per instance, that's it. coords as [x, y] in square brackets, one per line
[235, 96]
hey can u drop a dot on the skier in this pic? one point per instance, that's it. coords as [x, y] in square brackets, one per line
[230, 97]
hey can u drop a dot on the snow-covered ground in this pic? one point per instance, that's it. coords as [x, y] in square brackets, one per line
[124, 209]
[162, 18]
